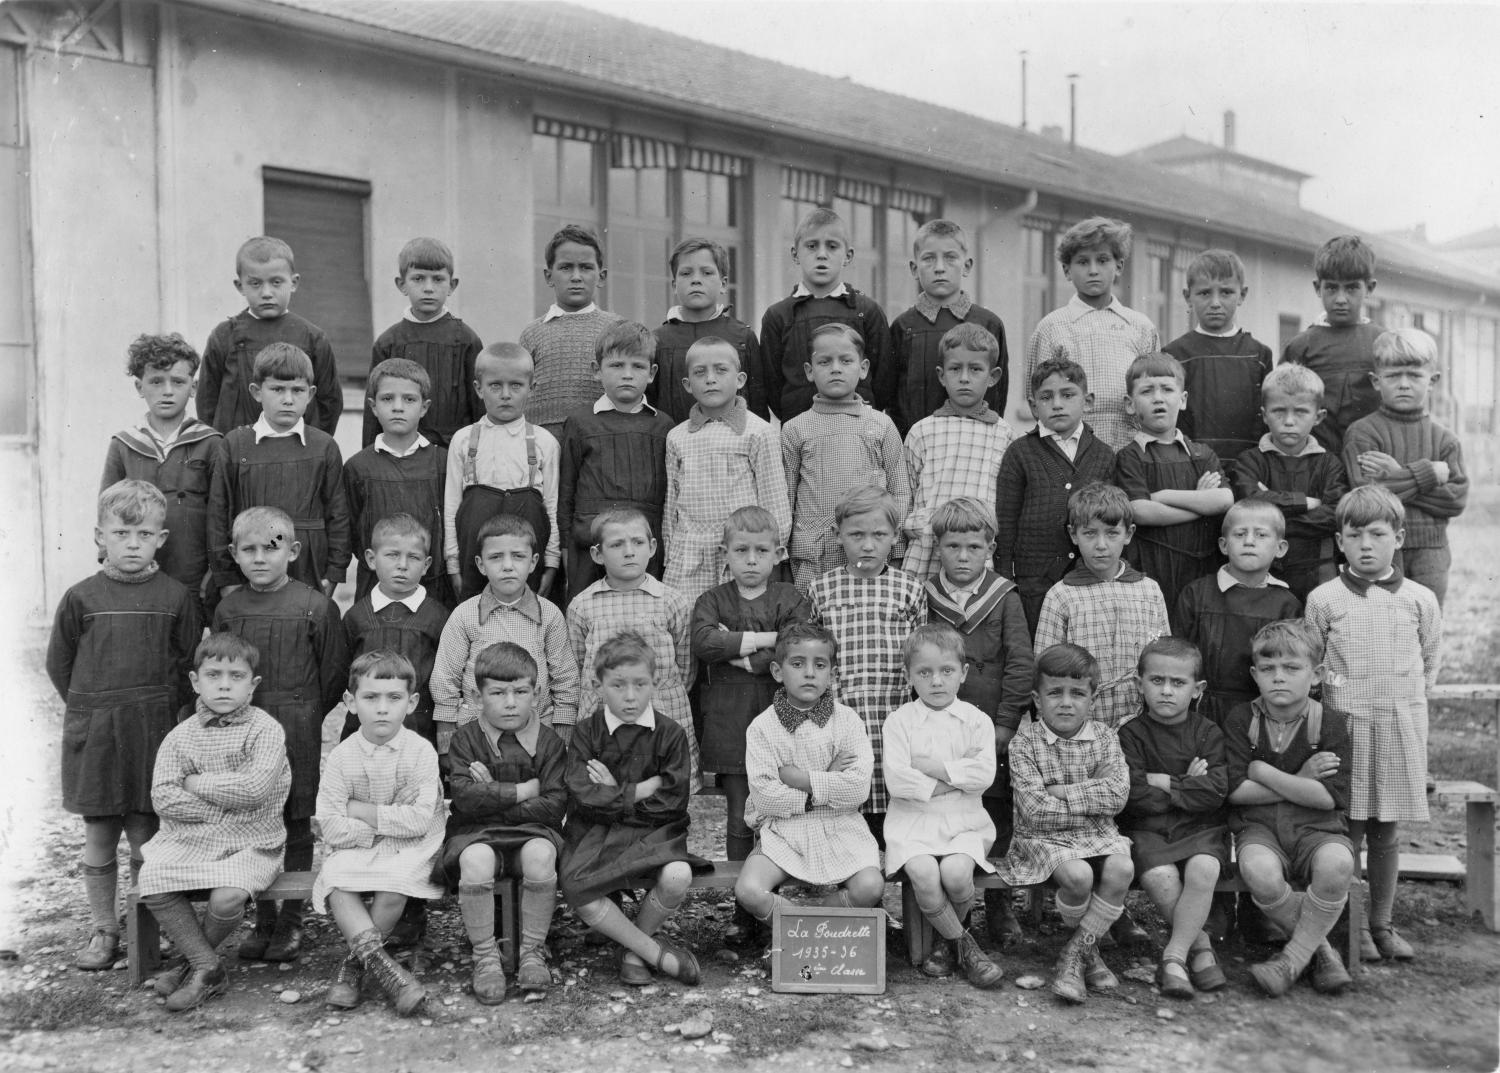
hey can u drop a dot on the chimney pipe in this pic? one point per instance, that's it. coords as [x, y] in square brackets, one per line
[1072, 111]
[1229, 130]
[1023, 89]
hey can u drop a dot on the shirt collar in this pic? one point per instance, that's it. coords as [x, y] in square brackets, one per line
[369, 748]
[411, 601]
[603, 405]
[960, 590]
[852, 405]
[675, 314]
[1229, 333]
[984, 415]
[408, 315]
[1360, 586]
[528, 606]
[1312, 447]
[930, 307]
[554, 311]
[263, 430]
[420, 442]
[510, 428]
[612, 724]
[735, 417]
[1144, 438]
[842, 291]
[1078, 308]
[1322, 321]
[649, 585]
[163, 442]
[1046, 433]
[1082, 575]
[526, 737]
[1087, 732]
[1227, 581]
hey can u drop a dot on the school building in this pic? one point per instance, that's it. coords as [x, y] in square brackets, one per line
[141, 142]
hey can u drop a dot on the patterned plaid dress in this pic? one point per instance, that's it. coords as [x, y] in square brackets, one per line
[871, 619]
[1114, 620]
[817, 837]
[230, 832]
[948, 456]
[1381, 656]
[1051, 830]
[659, 614]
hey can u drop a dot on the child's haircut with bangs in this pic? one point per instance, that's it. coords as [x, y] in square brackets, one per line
[972, 337]
[867, 499]
[1172, 648]
[627, 337]
[229, 647]
[263, 249]
[1102, 502]
[402, 527]
[710, 342]
[1211, 265]
[425, 253]
[1254, 508]
[1293, 381]
[692, 245]
[399, 369]
[1097, 232]
[282, 361]
[133, 502]
[162, 352]
[617, 516]
[963, 515]
[1154, 364]
[1066, 661]
[751, 519]
[1368, 504]
[505, 525]
[381, 664]
[1290, 636]
[817, 220]
[800, 633]
[939, 229]
[1345, 258]
[504, 661]
[269, 521]
[1066, 368]
[495, 353]
[624, 649]
[1406, 348]
[939, 635]
[576, 234]
[843, 331]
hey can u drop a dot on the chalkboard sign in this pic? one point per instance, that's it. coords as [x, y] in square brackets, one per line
[820, 949]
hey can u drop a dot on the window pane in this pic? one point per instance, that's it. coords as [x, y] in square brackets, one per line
[577, 180]
[652, 192]
[695, 197]
[544, 168]
[622, 192]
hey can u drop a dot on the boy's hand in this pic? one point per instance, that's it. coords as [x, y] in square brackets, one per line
[646, 787]
[528, 790]
[457, 581]
[793, 776]
[549, 575]
[327, 587]
[1441, 472]
[363, 810]
[1159, 781]
[1210, 480]
[600, 775]
[1377, 465]
[1058, 790]
[1199, 766]
[743, 663]
[190, 784]
[931, 767]
[479, 773]
[1313, 502]
[1320, 766]
[843, 762]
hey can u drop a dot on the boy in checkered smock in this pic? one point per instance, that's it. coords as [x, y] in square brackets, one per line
[1381, 632]
[870, 607]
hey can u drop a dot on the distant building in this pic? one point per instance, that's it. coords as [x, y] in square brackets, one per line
[1225, 168]
[141, 142]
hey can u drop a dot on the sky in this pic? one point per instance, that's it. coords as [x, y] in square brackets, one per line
[1393, 108]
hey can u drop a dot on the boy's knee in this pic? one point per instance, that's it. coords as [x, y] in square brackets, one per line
[923, 872]
[1261, 870]
[227, 901]
[1332, 868]
[1074, 879]
[674, 878]
[386, 901]
[1202, 870]
[1118, 871]
[476, 864]
[866, 887]
[538, 859]
[957, 870]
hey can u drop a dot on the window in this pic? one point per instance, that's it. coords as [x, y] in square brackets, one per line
[1158, 303]
[17, 360]
[642, 209]
[1039, 270]
[322, 218]
[565, 188]
[906, 211]
[1288, 327]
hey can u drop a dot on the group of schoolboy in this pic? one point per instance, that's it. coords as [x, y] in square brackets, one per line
[1105, 574]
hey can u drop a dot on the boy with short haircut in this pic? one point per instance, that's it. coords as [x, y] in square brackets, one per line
[380, 819]
[721, 458]
[628, 598]
[297, 629]
[1223, 364]
[1402, 448]
[840, 443]
[1095, 329]
[1176, 489]
[219, 784]
[821, 250]
[433, 339]
[940, 261]
[505, 610]
[1222, 612]
[401, 472]
[1103, 604]
[1340, 345]
[562, 340]
[281, 461]
[985, 609]
[1070, 780]
[956, 450]
[121, 646]
[1293, 471]
[1288, 790]
[170, 450]
[810, 765]
[613, 454]
[501, 464]
[1038, 472]
[266, 276]
[700, 275]
[398, 615]
[869, 607]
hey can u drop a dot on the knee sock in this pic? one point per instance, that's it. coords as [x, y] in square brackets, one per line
[1313, 925]
[605, 917]
[654, 911]
[476, 904]
[1071, 914]
[367, 945]
[1383, 868]
[1188, 916]
[178, 922]
[773, 901]
[216, 928]
[1282, 911]
[1099, 916]
[945, 919]
[99, 883]
[538, 901]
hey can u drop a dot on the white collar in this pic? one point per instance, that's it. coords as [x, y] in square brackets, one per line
[407, 314]
[1085, 733]
[256, 316]
[162, 441]
[675, 313]
[369, 748]
[1232, 331]
[1322, 321]
[411, 601]
[603, 405]
[510, 428]
[647, 720]
[1143, 438]
[1044, 432]
[263, 430]
[801, 291]
[554, 311]
[416, 445]
[1227, 581]
[1311, 447]
[967, 590]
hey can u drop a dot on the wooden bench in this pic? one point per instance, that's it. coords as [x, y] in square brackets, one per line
[919, 933]
[1480, 893]
[143, 937]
